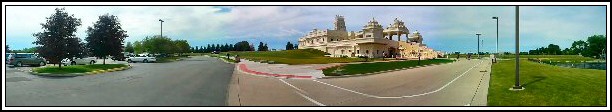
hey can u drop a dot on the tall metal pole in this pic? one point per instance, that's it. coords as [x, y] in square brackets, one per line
[497, 40]
[517, 84]
[478, 51]
[161, 33]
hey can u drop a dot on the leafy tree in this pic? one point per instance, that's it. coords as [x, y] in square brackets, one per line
[106, 37]
[295, 46]
[158, 44]
[242, 46]
[596, 46]
[55, 37]
[553, 49]
[182, 46]
[289, 46]
[77, 48]
[260, 47]
[129, 47]
[578, 47]
[138, 47]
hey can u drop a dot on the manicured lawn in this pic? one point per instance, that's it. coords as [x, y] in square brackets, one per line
[77, 68]
[546, 85]
[351, 69]
[293, 57]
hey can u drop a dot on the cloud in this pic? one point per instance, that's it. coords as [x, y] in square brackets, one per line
[447, 28]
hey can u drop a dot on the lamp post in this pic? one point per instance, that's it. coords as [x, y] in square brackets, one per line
[478, 51]
[161, 34]
[517, 84]
[497, 40]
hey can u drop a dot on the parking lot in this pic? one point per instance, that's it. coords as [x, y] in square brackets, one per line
[196, 81]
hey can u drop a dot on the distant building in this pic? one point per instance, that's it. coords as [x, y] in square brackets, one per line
[372, 41]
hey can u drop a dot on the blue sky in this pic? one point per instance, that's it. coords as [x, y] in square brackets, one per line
[445, 28]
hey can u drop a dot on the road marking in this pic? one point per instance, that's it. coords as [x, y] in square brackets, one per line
[310, 99]
[300, 93]
[477, 88]
[407, 96]
[292, 86]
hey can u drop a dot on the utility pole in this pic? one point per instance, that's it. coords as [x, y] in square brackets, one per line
[161, 34]
[517, 84]
[478, 51]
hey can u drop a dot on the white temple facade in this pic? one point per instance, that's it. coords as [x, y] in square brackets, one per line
[372, 41]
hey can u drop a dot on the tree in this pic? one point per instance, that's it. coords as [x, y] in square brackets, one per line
[182, 46]
[106, 37]
[295, 46]
[77, 48]
[260, 47]
[289, 46]
[129, 47]
[553, 49]
[596, 46]
[138, 48]
[53, 40]
[242, 46]
[578, 47]
[265, 47]
[158, 44]
[231, 47]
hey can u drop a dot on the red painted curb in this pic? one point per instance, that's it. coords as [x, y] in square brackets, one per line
[244, 68]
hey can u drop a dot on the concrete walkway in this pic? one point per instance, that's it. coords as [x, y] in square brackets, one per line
[257, 68]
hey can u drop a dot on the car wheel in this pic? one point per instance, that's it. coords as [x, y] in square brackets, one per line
[145, 61]
[92, 62]
[18, 64]
[42, 63]
[129, 61]
[73, 63]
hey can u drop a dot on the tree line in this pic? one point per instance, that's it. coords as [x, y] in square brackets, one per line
[239, 46]
[158, 45]
[58, 41]
[595, 46]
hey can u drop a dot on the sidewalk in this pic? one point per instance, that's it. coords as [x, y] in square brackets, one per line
[281, 70]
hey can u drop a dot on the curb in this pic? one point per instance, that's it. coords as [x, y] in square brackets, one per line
[379, 72]
[81, 74]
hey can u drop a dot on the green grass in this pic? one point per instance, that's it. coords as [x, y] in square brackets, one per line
[546, 85]
[76, 68]
[351, 69]
[293, 57]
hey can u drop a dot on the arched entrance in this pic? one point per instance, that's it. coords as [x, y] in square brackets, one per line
[392, 53]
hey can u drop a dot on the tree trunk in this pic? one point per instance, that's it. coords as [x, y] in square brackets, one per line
[104, 61]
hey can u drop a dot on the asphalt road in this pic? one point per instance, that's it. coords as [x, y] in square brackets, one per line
[197, 81]
[461, 83]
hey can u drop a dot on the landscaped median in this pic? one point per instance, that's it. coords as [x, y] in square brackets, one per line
[79, 70]
[224, 58]
[378, 67]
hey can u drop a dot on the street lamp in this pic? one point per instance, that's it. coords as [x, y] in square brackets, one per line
[161, 34]
[497, 41]
[517, 84]
[478, 51]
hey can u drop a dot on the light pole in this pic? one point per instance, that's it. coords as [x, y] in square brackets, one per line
[161, 34]
[517, 84]
[497, 40]
[478, 51]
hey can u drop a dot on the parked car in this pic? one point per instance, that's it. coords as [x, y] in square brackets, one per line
[216, 52]
[20, 59]
[79, 61]
[141, 58]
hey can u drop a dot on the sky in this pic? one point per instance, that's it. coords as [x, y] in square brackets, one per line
[444, 28]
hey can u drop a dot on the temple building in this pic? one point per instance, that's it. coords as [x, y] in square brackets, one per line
[372, 41]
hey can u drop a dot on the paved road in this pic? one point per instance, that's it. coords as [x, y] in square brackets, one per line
[462, 83]
[197, 81]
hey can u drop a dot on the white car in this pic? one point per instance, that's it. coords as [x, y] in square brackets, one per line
[141, 58]
[79, 61]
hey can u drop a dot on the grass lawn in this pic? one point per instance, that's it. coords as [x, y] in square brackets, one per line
[77, 68]
[546, 85]
[293, 57]
[351, 69]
